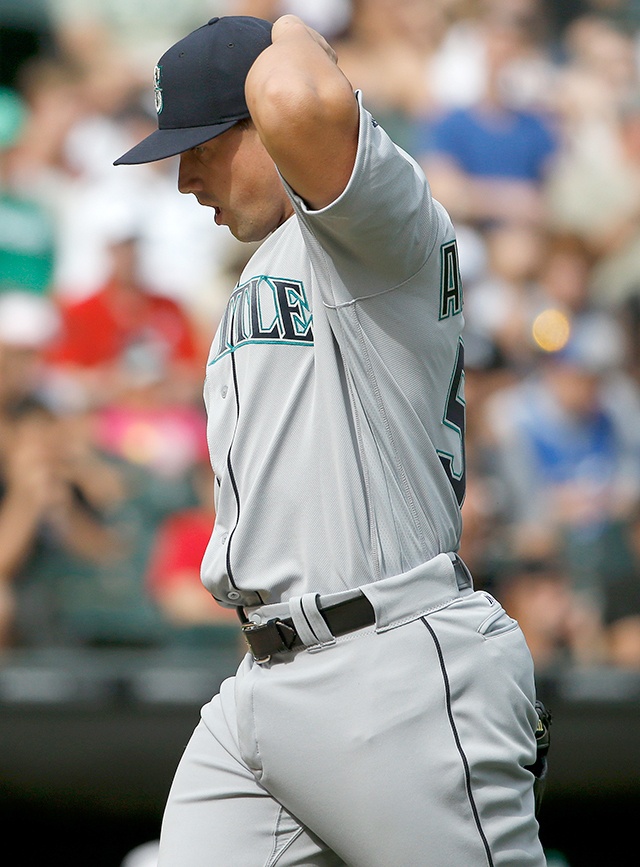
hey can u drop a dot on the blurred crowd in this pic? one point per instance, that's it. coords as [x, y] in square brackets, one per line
[526, 117]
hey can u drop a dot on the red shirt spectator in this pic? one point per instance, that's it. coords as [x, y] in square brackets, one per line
[173, 577]
[128, 347]
[126, 331]
[116, 320]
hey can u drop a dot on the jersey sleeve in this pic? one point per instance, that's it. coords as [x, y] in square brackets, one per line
[385, 225]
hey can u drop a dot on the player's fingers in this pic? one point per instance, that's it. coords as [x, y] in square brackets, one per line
[289, 20]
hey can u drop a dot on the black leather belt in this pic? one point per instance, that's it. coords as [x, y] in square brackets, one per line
[279, 636]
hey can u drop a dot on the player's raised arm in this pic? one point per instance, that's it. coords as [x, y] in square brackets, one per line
[305, 111]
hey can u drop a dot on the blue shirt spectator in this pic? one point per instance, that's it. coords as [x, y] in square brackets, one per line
[506, 143]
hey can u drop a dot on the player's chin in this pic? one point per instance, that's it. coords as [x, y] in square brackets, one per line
[247, 231]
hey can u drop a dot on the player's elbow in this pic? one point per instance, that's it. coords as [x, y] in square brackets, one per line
[286, 108]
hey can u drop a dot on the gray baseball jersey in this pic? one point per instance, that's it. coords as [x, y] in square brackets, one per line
[336, 411]
[334, 392]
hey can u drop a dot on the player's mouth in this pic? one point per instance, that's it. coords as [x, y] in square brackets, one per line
[217, 210]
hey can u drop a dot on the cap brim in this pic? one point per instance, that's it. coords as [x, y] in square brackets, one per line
[165, 143]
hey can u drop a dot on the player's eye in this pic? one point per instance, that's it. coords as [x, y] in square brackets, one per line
[202, 153]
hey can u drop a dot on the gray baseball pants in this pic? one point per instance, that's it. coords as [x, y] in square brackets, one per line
[399, 745]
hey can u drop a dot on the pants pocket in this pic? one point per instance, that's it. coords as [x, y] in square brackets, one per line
[497, 623]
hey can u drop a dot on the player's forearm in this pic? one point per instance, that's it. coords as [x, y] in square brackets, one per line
[19, 517]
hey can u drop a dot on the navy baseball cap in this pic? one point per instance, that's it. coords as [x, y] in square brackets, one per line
[199, 86]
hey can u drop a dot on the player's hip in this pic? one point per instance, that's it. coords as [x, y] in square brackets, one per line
[313, 621]
[422, 722]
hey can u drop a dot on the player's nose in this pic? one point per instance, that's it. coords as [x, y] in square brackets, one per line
[188, 177]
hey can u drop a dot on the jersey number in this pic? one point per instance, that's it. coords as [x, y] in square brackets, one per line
[454, 418]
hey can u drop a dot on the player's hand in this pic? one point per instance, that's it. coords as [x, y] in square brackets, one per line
[30, 474]
[290, 26]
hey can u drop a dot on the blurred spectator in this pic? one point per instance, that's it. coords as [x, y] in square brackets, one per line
[28, 326]
[81, 525]
[51, 88]
[54, 91]
[181, 250]
[76, 525]
[27, 489]
[41, 495]
[385, 53]
[597, 81]
[173, 576]
[629, 313]
[125, 334]
[565, 274]
[563, 625]
[459, 71]
[594, 193]
[136, 35]
[566, 451]
[487, 162]
[166, 439]
[479, 546]
[560, 625]
[84, 108]
[535, 282]
[624, 14]
[135, 357]
[621, 593]
[26, 29]
[526, 114]
[28, 323]
[329, 17]
[26, 228]
[498, 306]
[602, 56]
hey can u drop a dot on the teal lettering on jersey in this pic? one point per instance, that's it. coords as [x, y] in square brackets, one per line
[451, 282]
[265, 310]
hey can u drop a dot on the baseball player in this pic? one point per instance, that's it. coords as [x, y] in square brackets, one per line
[385, 712]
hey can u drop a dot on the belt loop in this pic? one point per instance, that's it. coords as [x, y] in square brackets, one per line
[309, 622]
[463, 576]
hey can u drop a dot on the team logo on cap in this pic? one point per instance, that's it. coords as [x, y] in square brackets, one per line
[157, 88]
